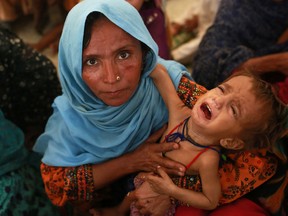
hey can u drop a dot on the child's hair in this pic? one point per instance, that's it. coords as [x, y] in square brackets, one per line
[271, 126]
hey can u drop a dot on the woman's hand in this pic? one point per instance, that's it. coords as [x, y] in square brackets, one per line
[148, 156]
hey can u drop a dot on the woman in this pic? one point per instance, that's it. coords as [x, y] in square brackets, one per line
[109, 105]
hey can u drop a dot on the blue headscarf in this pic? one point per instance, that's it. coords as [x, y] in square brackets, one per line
[82, 128]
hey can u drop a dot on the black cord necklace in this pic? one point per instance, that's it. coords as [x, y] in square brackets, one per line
[185, 136]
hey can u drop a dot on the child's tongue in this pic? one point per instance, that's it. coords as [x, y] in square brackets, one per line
[207, 111]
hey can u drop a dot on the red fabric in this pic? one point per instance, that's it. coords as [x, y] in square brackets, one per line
[240, 207]
[188, 211]
[283, 90]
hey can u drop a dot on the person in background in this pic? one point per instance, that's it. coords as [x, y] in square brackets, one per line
[22, 190]
[155, 18]
[29, 84]
[234, 42]
[13, 10]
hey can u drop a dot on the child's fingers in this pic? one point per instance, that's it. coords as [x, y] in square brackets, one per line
[161, 172]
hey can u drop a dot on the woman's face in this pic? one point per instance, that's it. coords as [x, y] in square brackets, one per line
[112, 63]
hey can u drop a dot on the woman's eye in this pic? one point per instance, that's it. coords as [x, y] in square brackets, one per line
[221, 88]
[124, 55]
[91, 62]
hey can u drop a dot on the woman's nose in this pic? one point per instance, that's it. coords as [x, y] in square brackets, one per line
[110, 72]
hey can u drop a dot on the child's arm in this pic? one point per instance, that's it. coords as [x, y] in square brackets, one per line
[208, 199]
[166, 88]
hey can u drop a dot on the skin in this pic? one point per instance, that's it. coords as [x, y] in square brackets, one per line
[230, 105]
[268, 63]
[105, 58]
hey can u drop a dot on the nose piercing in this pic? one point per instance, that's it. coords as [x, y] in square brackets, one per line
[118, 78]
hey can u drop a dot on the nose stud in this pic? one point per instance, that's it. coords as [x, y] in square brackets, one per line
[118, 78]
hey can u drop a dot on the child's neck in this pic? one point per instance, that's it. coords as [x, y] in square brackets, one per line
[197, 138]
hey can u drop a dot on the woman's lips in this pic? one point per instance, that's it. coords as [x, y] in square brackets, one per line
[206, 110]
[113, 93]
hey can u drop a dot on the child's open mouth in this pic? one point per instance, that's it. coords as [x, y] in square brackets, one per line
[206, 110]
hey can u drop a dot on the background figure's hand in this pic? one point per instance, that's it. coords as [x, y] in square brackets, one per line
[283, 38]
[148, 156]
[270, 63]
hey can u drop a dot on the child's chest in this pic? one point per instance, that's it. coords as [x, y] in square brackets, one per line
[188, 155]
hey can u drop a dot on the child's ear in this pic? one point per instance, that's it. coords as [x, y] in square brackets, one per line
[232, 143]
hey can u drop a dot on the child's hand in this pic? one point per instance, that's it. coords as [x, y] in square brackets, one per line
[161, 183]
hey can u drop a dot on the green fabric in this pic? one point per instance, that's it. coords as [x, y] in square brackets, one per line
[21, 187]
[13, 153]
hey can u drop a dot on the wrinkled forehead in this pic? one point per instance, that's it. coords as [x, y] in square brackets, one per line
[240, 84]
[244, 93]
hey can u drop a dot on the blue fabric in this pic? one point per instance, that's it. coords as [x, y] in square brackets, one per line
[82, 128]
[242, 29]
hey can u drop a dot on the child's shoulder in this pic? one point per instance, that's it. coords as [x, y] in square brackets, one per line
[210, 158]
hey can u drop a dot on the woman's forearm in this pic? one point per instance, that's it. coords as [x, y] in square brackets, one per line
[107, 172]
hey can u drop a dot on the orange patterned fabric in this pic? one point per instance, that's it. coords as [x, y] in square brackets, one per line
[68, 183]
[243, 173]
[240, 174]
